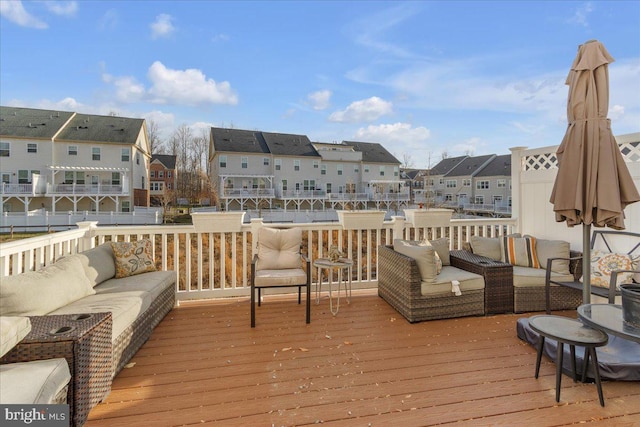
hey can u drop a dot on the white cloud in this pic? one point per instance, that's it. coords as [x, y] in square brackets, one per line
[616, 112]
[365, 110]
[320, 100]
[62, 8]
[14, 11]
[396, 132]
[187, 87]
[220, 38]
[581, 14]
[109, 20]
[162, 26]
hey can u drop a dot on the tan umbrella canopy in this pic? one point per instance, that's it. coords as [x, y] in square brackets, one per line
[593, 185]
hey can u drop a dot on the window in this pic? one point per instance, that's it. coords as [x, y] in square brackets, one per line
[297, 186]
[441, 181]
[5, 149]
[451, 183]
[448, 197]
[72, 150]
[32, 147]
[126, 206]
[125, 155]
[160, 174]
[284, 185]
[430, 182]
[137, 158]
[115, 178]
[323, 170]
[23, 176]
[6, 178]
[479, 200]
[497, 200]
[156, 186]
[278, 164]
[244, 161]
[80, 177]
[339, 167]
[356, 169]
[265, 161]
[502, 183]
[466, 182]
[482, 185]
[169, 185]
[95, 153]
[309, 184]
[328, 188]
[366, 168]
[396, 171]
[296, 165]
[316, 164]
[68, 177]
[168, 174]
[381, 168]
[223, 161]
[143, 182]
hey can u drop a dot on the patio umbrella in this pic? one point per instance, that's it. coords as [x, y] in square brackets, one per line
[593, 184]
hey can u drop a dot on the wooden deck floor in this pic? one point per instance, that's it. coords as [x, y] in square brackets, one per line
[367, 366]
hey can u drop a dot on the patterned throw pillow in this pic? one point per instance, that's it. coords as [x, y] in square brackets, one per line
[133, 258]
[603, 263]
[520, 251]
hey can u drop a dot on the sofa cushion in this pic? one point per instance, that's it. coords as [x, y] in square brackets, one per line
[423, 253]
[488, 246]
[98, 263]
[12, 330]
[36, 382]
[125, 298]
[519, 251]
[133, 258]
[279, 249]
[603, 263]
[534, 277]
[35, 293]
[554, 249]
[442, 249]
[468, 281]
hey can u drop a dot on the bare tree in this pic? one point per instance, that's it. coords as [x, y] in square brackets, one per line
[407, 161]
[155, 143]
[179, 145]
[445, 154]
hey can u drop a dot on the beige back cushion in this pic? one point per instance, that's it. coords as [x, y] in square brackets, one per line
[554, 249]
[442, 249]
[12, 330]
[98, 263]
[488, 246]
[35, 293]
[423, 253]
[279, 249]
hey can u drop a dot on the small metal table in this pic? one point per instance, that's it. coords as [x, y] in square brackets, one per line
[340, 265]
[572, 332]
[608, 317]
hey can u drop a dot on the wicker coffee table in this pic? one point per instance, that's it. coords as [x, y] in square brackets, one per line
[85, 341]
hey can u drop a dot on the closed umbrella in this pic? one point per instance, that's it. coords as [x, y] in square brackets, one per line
[593, 185]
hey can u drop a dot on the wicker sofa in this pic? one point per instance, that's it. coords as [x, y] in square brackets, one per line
[95, 309]
[528, 283]
[400, 284]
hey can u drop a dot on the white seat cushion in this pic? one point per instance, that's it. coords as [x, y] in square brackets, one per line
[39, 382]
[532, 277]
[288, 277]
[468, 281]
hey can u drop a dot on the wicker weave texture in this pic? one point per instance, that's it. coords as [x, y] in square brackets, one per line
[498, 279]
[87, 349]
[534, 298]
[399, 284]
[131, 339]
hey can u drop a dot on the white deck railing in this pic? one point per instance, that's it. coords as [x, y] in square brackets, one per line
[218, 264]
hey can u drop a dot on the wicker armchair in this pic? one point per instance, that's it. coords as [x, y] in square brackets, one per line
[400, 285]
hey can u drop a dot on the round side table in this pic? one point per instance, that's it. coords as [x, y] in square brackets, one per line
[340, 265]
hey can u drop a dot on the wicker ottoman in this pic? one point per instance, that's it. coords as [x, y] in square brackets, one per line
[84, 340]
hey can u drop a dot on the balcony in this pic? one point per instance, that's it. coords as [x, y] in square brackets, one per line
[85, 189]
[248, 193]
[303, 194]
[17, 189]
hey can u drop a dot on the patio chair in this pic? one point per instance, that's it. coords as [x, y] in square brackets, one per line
[279, 264]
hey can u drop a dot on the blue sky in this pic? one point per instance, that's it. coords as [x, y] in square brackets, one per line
[420, 77]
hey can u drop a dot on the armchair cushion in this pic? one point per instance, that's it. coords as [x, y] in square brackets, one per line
[279, 249]
[602, 265]
[442, 249]
[554, 249]
[291, 276]
[519, 251]
[488, 246]
[12, 330]
[425, 255]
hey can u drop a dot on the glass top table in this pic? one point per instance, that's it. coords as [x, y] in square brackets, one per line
[608, 317]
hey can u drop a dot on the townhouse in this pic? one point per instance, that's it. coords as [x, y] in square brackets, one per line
[256, 170]
[163, 178]
[60, 161]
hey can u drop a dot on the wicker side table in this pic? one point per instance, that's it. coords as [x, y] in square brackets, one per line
[84, 340]
[498, 279]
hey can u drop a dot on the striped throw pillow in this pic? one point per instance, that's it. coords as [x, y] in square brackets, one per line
[520, 251]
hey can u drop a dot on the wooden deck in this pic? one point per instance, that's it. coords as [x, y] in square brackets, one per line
[367, 366]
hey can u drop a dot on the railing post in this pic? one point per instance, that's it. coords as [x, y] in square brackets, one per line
[398, 227]
[256, 224]
[89, 227]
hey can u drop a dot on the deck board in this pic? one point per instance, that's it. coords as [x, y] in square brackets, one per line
[366, 366]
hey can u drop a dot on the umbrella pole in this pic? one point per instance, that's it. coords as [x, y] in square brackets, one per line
[586, 263]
